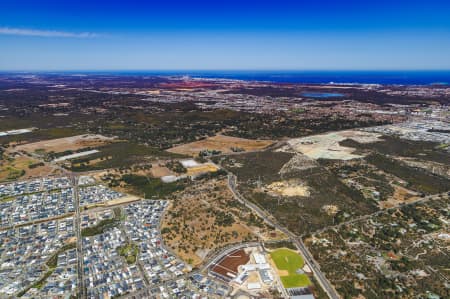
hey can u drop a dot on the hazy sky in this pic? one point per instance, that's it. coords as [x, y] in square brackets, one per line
[180, 35]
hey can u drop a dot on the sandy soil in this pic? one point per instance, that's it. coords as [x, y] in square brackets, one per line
[297, 163]
[288, 188]
[122, 200]
[191, 218]
[158, 171]
[66, 143]
[220, 143]
[331, 210]
[203, 168]
[71, 240]
[401, 195]
[253, 277]
[326, 146]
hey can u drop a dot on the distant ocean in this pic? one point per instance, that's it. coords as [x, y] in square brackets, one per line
[363, 77]
[317, 77]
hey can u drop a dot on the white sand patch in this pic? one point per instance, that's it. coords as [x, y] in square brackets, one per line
[16, 132]
[331, 210]
[76, 155]
[326, 146]
[189, 163]
[288, 188]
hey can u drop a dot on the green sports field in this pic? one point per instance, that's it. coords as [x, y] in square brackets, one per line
[289, 260]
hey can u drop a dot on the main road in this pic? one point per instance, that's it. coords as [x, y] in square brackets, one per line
[81, 287]
[309, 259]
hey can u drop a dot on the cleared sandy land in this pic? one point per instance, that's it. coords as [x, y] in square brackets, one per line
[76, 155]
[288, 188]
[66, 143]
[326, 146]
[122, 200]
[297, 163]
[331, 210]
[159, 171]
[71, 240]
[220, 143]
[202, 168]
[401, 195]
[114, 202]
[16, 132]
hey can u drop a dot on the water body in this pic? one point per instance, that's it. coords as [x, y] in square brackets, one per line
[326, 77]
[321, 95]
[314, 77]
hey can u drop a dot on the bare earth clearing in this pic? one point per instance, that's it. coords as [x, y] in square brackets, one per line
[158, 170]
[66, 143]
[401, 195]
[326, 146]
[288, 188]
[220, 143]
[203, 168]
[122, 200]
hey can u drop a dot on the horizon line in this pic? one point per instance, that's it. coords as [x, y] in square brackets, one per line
[221, 70]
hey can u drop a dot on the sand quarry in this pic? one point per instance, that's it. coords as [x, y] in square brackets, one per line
[66, 143]
[326, 146]
[220, 143]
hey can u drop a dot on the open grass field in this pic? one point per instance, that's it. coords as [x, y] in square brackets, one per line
[220, 143]
[295, 281]
[19, 167]
[39, 135]
[289, 261]
[65, 143]
[151, 187]
[117, 154]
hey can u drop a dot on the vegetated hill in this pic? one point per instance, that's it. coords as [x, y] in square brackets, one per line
[417, 179]
[205, 216]
[301, 214]
[390, 145]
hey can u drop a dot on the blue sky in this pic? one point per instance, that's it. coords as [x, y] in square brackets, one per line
[205, 35]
